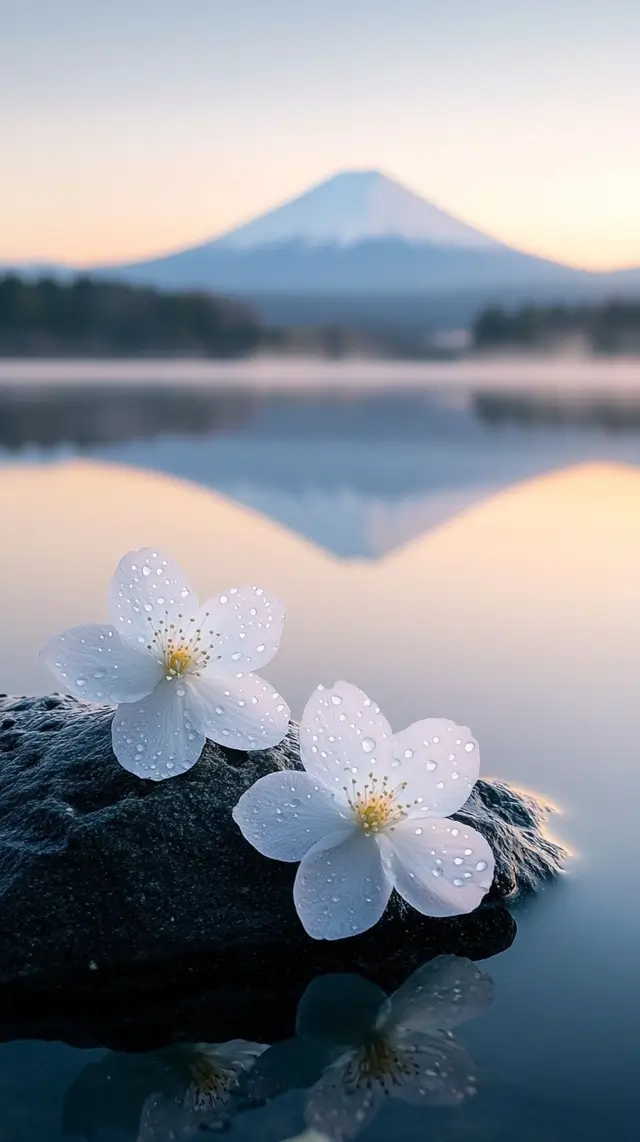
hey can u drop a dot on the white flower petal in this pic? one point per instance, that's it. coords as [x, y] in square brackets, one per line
[154, 738]
[434, 1071]
[241, 1053]
[339, 1008]
[163, 1116]
[341, 887]
[440, 995]
[246, 624]
[441, 867]
[241, 713]
[283, 815]
[344, 736]
[340, 1107]
[148, 587]
[440, 763]
[93, 662]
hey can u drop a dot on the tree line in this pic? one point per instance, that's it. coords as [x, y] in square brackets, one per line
[93, 318]
[612, 327]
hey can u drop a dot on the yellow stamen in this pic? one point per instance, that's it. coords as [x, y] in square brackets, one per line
[376, 806]
[379, 1062]
[179, 660]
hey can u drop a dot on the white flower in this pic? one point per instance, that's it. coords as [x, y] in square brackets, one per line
[176, 670]
[208, 1076]
[400, 1047]
[370, 815]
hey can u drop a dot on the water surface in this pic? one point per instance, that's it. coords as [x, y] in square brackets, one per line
[448, 567]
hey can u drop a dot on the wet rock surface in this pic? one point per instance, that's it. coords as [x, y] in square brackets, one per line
[104, 877]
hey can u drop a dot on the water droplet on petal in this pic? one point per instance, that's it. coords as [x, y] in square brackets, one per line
[431, 765]
[336, 699]
[470, 746]
[408, 753]
[146, 570]
[481, 865]
[368, 745]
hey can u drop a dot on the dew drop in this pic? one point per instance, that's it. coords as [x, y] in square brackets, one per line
[219, 710]
[457, 882]
[237, 655]
[458, 860]
[431, 765]
[368, 745]
[418, 832]
[470, 746]
[99, 674]
[81, 682]
[481, 865]
[408, 753]
[336, 699]
[146, 570]
[436, 871]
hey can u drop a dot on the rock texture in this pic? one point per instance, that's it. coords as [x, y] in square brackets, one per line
[103, 875]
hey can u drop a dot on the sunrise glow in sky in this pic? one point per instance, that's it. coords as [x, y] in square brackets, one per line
[128, 129]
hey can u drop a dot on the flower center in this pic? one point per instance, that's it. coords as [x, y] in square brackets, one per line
[376, 805]
[182, 647]
[211, 1083]
[378, 1062]
[178, 660]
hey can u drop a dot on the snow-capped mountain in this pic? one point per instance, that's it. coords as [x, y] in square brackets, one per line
[352, 207]
[360, 234]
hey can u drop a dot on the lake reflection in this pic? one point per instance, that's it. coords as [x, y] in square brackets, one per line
[489, 578]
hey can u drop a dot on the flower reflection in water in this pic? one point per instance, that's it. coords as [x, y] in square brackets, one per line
[375, 1048]
[188, 1087]
[206, 1077]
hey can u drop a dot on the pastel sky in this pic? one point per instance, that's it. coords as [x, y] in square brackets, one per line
[130, 128]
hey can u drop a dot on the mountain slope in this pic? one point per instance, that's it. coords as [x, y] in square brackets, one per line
[361, 233]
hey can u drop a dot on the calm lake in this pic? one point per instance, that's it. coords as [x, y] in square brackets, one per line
[452, 558]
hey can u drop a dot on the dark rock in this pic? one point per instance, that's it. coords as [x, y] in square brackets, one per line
[103, 875]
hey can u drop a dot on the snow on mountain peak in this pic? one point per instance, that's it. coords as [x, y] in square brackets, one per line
[356, 206]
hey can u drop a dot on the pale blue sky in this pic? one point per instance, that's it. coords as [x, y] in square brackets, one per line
[132, 127]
